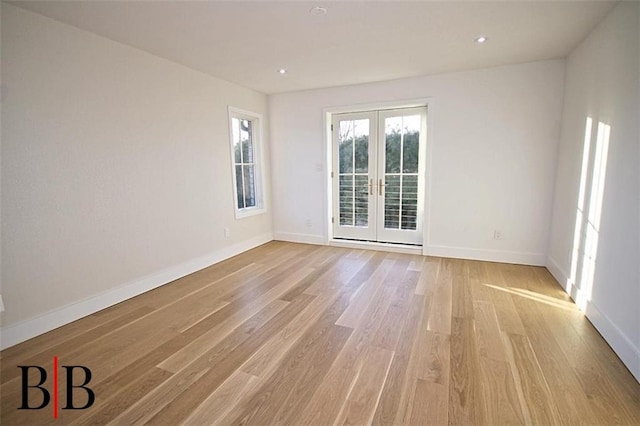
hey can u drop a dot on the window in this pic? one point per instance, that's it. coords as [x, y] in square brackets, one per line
[245, 132]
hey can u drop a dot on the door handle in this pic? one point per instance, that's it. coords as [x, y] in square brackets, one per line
[370, 186]
[380, 185]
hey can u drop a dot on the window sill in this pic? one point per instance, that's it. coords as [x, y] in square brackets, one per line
[241, 214]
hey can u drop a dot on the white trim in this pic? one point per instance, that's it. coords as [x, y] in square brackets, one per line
[520, 258]
[327, 115]
[258, 152]
[320, 240]
[428, 181]
[16, 333]
[396, 235]
[562, 277]
[372, 245]
[251, 211]
[327, 181]
[375, 106]
[556, 271]
[621, 345]
[300, 238]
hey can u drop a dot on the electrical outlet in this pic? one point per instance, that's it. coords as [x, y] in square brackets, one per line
[227, 232]
[1, 304]
[308, 223]
[497, 235]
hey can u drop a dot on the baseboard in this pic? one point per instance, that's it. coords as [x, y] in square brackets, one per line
[367, 245]
[621, 345]
[562, 277]
[16, 333]
[300, 238]
[503, 256]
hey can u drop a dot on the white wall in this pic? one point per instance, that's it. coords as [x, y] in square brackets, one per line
[116, 172]
[602, 83]
[494, 144]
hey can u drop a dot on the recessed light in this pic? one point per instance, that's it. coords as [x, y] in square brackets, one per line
[480, 39]
[318, 11]
[282, 71]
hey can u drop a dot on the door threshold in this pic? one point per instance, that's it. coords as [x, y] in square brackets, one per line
[374, 245]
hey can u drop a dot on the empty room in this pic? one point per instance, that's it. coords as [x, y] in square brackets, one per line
[316, 213]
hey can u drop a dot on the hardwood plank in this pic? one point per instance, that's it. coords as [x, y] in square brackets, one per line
[434, 358]
[391, 397]
[420, 349]
[361, 402]
[537, 395]
[387, 337]
[461, 301]
[465, 390]
[500, 398]
[428, 274]
[416, 263]
[487, 331]
[354, 312]
[222, 399]
[506, 312]
[431, 402]
[478, 278]
[440, 313]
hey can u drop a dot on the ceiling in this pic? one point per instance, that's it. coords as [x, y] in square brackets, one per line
[354, 42]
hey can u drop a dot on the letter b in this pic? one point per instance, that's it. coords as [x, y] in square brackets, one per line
[91, 396]
[25, 387]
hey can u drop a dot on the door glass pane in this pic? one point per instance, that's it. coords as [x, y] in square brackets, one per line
[361, 149]
[402, 147]
[249, 186]
[392, 202]
[361, 202]
[247, 143]
[392, 136]
[410, 143]
[353, 153]
[409, 209]
[235, 128]
[239, 187]
[345, 141]
[346, 200]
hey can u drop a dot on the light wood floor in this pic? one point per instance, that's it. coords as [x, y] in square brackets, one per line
[300, 334]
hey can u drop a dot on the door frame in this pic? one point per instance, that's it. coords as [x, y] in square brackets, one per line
[328, 113]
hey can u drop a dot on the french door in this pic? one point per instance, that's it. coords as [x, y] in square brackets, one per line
[378, 175]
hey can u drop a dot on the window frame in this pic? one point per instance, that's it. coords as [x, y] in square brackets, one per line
[256, 135]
